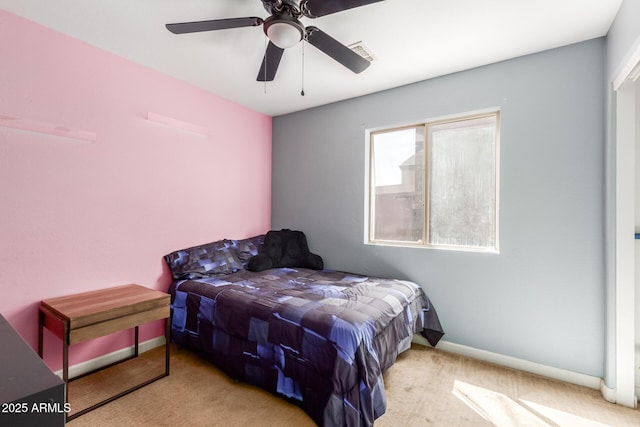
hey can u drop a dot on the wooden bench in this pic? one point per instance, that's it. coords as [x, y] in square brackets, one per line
[84, 316]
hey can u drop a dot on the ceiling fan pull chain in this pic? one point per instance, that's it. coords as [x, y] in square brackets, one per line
[302, 91]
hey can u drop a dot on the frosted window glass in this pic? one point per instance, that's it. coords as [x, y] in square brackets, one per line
[462, 183]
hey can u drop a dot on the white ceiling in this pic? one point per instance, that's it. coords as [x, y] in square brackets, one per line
[411, 40]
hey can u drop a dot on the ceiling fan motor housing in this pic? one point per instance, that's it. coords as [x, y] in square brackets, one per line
[292, 7]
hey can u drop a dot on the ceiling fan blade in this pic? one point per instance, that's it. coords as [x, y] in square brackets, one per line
[316, 8]
[270, 63]
[214, 24]
[336, 50]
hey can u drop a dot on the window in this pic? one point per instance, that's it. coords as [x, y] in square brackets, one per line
[435, 184]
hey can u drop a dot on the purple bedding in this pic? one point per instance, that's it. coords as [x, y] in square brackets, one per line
[321, 339]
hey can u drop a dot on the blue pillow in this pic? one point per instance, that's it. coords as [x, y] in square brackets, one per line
[247, 248]
[210, 259]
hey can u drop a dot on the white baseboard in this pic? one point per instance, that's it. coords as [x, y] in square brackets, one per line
[596, 383]
[102, 361]
[520, 364]
[608, 393]
[637, 347]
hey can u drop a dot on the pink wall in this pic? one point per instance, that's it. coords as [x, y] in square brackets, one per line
[78, 216]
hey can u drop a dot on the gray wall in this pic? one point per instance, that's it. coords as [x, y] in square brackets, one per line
[541, 298]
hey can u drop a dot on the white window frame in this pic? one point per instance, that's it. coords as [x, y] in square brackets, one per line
[370, 192]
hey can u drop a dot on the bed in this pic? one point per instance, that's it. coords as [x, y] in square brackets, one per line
[318, 338]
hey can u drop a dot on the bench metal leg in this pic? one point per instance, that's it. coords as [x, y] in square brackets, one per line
[134, 388]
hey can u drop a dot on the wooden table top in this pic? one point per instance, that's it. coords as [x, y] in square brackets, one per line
[97, 306]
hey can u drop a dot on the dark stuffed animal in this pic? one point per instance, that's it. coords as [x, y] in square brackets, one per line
[285, 248]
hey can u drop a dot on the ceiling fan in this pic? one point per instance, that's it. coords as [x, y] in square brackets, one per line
[284, 30]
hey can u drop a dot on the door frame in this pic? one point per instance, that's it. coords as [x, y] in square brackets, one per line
[625, 141]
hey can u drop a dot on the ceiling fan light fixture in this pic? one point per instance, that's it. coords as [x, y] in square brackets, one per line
[283, 30]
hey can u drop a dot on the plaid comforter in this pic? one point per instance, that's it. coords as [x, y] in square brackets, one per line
[321, 339]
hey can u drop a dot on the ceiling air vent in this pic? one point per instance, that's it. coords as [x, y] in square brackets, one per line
[362, 50]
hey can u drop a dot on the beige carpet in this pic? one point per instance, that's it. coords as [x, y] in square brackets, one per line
[426, 387]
